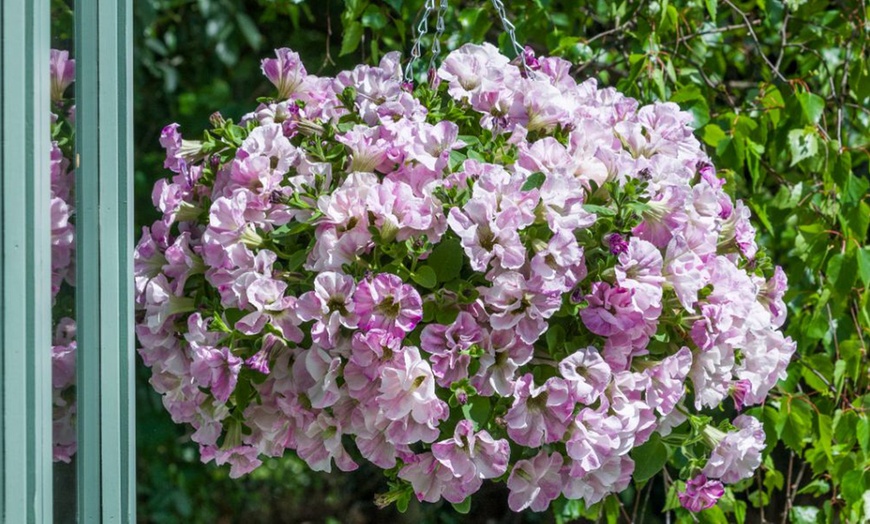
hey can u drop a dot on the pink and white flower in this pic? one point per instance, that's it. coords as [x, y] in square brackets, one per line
[701, 493]
[535, 483]
[385, 302]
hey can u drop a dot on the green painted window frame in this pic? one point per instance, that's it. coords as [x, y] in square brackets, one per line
[104, 303]
[104, 266]
[25, 257]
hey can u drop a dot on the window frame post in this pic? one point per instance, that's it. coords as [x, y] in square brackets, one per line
[104, 278]
[25, 263]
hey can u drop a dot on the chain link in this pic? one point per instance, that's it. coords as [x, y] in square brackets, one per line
[510, 30]
[439, 32]
[423, 28]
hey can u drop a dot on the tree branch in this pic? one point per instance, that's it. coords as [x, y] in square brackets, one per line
[748, 24]
[723, 29]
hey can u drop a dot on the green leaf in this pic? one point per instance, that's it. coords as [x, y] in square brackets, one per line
[863, 433]
[825, 437]
[447, 259]
[773, 480]
[352, 37]
[353, 8]
[812, 105]
[853, 485]
[430, 308]
[470, 140]
[788, 197]
[803, 144]
[760, 211]
[711, 9]
[555, 338]
[600, 210]
[852, 357]
[817, 487]
[691, 99]
[535, 181]
[456, 159]
[402, 502]
[842, 271]
[463, 507]
[233, 315]
[845, 423]
[447, 315]
[478, 410]
[296, 260]
[855, 219]
[712, 134]
[249, 30]
[863, 256]
[611, 509]
[672, 500]
[649, 458]
[372, 17]
[714, 515]
[856, 187]
[805, 515]
[425, 276]
[796, 421]
[753, 162]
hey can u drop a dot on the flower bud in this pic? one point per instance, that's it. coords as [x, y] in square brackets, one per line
[217, 119]
[309, 128]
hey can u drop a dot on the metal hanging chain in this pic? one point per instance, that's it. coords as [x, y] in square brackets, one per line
[422, 29]
[510, 30]
[439, 32]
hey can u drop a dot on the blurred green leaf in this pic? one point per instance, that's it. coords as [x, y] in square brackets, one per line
[352, 37]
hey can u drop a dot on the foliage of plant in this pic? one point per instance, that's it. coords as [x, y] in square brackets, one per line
[779, 92]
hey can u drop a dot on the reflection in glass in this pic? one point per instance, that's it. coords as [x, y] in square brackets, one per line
[63, 351]
[63, 257]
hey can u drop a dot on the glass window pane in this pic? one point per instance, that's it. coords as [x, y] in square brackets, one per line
[63, 229]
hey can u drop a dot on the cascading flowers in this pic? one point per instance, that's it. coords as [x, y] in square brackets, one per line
[500, 275]
[63, 350]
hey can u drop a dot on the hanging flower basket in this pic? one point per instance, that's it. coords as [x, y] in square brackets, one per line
[501, 274]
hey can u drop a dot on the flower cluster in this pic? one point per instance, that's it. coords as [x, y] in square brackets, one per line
[500, 275]
[63, 245]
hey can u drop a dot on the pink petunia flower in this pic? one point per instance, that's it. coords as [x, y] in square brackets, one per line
[432, 480]
[447, 345]
[586, 373]
[517, 303]
[217, 369]
[472, 455]
[285, 71]
[701, 493]
[535, 483]
[539, 415]
[385, 302]
[63, 73]
[408, 388]
[330, 305]
[737, 453]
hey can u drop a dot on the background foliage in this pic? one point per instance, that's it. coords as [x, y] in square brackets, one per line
[780, 93]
